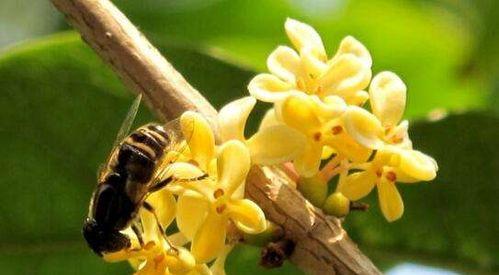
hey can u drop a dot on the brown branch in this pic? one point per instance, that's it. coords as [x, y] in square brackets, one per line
[321, 244]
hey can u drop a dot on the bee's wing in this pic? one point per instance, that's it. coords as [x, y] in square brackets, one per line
[123, 131]
[128, 121]
[174, 151]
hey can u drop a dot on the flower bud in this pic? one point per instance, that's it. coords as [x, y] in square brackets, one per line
[336, 205]
[314, 189]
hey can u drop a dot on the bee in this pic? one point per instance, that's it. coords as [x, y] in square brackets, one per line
[125, 181]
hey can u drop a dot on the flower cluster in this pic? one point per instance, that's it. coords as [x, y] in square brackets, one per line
[322, 98]
[317, 128]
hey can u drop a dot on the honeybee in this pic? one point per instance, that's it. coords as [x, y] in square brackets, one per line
[126, 179]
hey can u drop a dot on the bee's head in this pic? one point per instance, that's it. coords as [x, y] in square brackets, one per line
[102, 240]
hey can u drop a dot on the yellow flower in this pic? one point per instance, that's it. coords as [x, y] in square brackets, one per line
[309, 71]
[157, 256]
[321, 122]
[387, 98]
[205, 207]
[390, 165]
[271, 144]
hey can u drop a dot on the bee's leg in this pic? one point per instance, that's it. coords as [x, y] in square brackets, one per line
[151, 209]
[161, 184]
[138, 233]
[166, 181]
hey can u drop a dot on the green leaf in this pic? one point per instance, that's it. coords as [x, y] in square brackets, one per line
[452, 219]
[243, 260]
[421, 43]
[61, 108]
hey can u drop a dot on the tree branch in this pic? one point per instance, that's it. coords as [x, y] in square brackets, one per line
[321, 244]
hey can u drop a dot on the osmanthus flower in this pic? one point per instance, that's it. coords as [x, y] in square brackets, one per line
[273, 143]
[322, 125]
[205, 207]
[375, 130]
[308, 69]
[390, 165]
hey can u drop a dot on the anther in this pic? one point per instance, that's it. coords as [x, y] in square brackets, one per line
[337, 130]
[391, 176]
[300, 84]
[218, 193]
[158, 259]
[396, 139]
[220, 209]
[317, 136]
[378, 173]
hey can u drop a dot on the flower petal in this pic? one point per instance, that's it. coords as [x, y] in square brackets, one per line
[352, 46]
[364, 127]
[164, 205]
[182, 263]
[199, 136]
[418, 165]
[358, 185]
[180, 170]
[152, 267]
[327, 152]
[357, 98]
[210, 238]
[346, 74]
[303, 35]
[233, 165]
[388, 96]
[269, 88]
[192, 209]
[284, 62]
[275, 144]
[247, 216]
[312, 65]
[308, 162]
[218, 267]
[233, 116]
[269, 119]
[298, 112]
[390, 201]
[329, 106]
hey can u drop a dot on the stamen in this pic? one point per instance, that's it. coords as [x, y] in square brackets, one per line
[317, 136]
[300, 84]
[218, 193]
[149, 245]
[220, 209]
[397, 139]
[379, 173]
[391, 176]
[158, 259]
[337, 130]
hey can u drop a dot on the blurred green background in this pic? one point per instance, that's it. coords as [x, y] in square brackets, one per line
[60, 108]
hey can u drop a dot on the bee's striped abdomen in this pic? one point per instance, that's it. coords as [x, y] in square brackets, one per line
[139, 153]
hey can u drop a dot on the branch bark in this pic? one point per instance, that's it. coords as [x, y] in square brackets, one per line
[321, 244]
